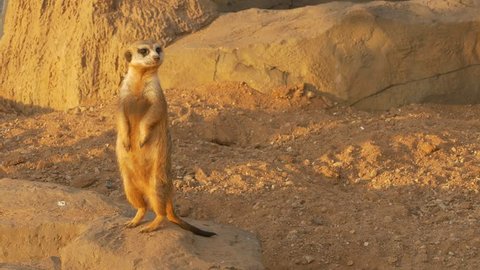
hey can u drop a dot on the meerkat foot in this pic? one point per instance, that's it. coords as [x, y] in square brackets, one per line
[137, 219]
[153, 226]
[127, 145]
[131, 224]
[143, 141]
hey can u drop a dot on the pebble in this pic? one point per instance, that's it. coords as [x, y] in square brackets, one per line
[310, 94]
[82, 182]
[289, 183]
[318, 221]
[365, 244]
[350, 263]
[308, 259]
[201, 176]
[109, 184]
[187, 178]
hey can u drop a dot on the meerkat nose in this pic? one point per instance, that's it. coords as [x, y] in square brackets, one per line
[156, 57]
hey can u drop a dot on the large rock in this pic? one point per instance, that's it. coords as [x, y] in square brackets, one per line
[373, 55]
[50, 226]
[60, 54]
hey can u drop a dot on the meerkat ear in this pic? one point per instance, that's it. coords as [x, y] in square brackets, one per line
[128, 56]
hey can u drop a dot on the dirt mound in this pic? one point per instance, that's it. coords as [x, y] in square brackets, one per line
[373, 55]
[62, 54]
[46, 225]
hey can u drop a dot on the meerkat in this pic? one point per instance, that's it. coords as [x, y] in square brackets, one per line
[143, 139]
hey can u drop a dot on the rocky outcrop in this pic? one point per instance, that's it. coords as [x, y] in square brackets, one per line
[46, 226]
[373, 55]
[60, 54]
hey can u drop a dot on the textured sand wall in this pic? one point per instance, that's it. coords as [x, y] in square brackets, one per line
[60, 54]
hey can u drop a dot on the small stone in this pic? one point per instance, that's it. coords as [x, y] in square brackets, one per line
[318, 221]
[365, 244]
[201, 176]
[82, 182]
[426, 148]
[109, 184]
[310, 94]
[187, 178]
[289, 183]
[349, 262]
[260, 184]
[308, 259]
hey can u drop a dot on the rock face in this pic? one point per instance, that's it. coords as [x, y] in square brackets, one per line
[47, 226]
[373, 55]
[60, 54]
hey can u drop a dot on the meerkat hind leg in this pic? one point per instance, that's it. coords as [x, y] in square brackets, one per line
[135, 198]
[158, 206]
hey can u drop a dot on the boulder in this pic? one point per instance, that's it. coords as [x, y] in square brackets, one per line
[373, 55]
[57, 227]
[60, 54]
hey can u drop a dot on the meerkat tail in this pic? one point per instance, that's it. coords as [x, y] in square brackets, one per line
[183, 224]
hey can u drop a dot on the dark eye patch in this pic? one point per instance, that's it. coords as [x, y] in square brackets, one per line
[143, 51]
[158, 50]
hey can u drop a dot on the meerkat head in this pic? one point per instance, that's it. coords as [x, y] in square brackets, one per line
[144, 54]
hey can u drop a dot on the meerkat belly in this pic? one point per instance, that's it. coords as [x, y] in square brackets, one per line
[140, 159]
[135, 109]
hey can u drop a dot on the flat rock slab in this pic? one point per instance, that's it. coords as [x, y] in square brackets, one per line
[45, 224]
[373, 55]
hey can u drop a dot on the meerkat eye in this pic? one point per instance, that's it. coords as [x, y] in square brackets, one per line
[158, 50]
[143, 51]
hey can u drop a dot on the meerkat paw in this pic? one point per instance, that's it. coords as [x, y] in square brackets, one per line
[153, 226]
[131, 224]
[144, 140]
[127, 145]
[149, 228]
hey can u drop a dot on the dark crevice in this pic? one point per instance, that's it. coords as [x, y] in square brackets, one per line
[237, 5]
[412, 81]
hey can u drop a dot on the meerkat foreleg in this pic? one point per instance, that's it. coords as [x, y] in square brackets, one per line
[123, 129]
[150, 120]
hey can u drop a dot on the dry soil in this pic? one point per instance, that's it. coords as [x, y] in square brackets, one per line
[321, 185]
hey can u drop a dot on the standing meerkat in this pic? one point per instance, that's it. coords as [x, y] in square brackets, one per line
[143, 140]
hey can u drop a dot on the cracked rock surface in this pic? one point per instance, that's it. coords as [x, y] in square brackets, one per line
[373, 55]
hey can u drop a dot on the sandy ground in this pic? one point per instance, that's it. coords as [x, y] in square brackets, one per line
[321, 185]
